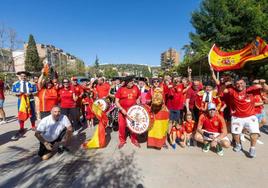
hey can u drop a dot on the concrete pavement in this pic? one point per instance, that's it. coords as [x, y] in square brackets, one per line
[129, 167]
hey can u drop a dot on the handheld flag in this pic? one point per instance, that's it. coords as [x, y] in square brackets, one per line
[223, 61]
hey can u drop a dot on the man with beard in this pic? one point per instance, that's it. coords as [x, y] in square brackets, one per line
[127, 96]
[243, 113]
[53, 132]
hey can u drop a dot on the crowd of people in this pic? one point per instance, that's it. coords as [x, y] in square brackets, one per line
[183, 111]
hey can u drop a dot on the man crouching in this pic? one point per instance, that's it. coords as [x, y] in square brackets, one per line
[54, 133]
[212, 131]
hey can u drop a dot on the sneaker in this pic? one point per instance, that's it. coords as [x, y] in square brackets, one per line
[173, 146]
[188, 143]
[75, 133]
[259, 142]
[62, 148]
[219, 150]
[237, 148]
[206, 147]
[19, 134]
[252, 152]
[3, 122]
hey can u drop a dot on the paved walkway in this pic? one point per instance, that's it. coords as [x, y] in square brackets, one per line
[129, 167]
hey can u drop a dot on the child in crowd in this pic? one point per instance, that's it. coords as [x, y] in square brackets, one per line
[88, 102]
[177, 135]
[188, 126]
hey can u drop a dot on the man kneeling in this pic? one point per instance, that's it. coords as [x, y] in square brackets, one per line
[53, 132]
[212, 131]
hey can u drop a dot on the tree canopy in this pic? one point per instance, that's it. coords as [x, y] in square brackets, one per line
[229, 24]
[32, 61]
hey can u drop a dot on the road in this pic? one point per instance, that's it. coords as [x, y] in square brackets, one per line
[129, 167]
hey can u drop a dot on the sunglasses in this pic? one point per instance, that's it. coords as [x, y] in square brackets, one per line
[156, 81]
[66, 82]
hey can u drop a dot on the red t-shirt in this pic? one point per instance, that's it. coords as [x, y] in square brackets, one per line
[66, 98]
[47, 99]
[188, 126]
[2, 87]
[242, 102]
[192, 95]
[127, 96]
[175, 95]
[78, 90]
[214, 124]
[103, 90]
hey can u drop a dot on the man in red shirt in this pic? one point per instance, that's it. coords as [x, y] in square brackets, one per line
[212, 131]
[243, 114]
[2, 99]
[175, 100]
[191, 97]
[103, 88]
[127, 96]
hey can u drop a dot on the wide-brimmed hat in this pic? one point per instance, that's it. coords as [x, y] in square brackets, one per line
[24, 72]
[128, 79]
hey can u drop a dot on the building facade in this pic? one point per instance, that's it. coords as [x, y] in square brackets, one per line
[169, 59]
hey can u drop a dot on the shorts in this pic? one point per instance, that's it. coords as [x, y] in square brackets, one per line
[260, 116]
[174, 115]
[215, 135]
[2, 103]
[250, 123]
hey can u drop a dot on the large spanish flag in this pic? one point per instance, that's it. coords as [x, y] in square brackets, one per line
[98, 140]
[158, 133]
[24, 108]
[223, 61]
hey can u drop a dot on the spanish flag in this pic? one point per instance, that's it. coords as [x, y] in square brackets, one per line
[158, 133]
[223, 61]
[98, 140]
[24, 108]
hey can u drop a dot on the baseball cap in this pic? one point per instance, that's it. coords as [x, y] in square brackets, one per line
[211, 106]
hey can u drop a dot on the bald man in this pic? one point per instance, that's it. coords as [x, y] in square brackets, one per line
[53, 132]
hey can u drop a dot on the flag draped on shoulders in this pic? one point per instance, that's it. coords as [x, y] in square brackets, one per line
[158, 132]
[98, 140]
[224, 61]
[24, 108]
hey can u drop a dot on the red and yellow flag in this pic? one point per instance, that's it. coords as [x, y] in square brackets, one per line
[24, 108]
[98, 140]
[158, 133]
[223, 61]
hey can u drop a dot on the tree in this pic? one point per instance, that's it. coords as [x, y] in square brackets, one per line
[32, 61]
[110, 72]
[229, 24]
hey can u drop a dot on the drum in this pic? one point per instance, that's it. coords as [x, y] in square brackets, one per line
[138, 120]
[102, 104]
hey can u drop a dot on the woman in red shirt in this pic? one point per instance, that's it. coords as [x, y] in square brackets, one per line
[68, 103]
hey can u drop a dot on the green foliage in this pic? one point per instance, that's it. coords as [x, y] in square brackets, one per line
[110, 72]
[32, 61]
[229, 24]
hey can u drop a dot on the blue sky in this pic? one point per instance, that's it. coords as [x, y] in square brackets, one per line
[118, 31]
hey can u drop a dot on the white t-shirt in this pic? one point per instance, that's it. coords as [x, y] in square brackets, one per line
[51, 129]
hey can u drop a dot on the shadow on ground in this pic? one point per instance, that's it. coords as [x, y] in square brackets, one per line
[79, 169]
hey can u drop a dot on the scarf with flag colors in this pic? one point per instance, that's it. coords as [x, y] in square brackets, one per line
[24, 108]
[224, 61]
[98, 140]
[158, 132]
